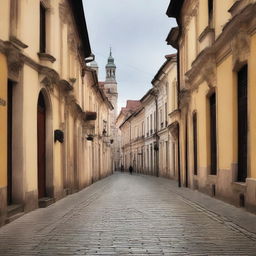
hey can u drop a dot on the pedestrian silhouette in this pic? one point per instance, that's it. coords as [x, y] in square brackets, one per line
[130, 169]
[122, 168]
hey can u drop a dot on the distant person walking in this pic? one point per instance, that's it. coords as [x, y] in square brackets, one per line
[122, 168]
[130, 169]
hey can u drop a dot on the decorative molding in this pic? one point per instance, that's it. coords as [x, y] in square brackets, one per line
[63, 11]
[208, 31]
[48, 83]
[65, 85]
[174, 130]
[18, 43]
[237, 31]
[240, 46]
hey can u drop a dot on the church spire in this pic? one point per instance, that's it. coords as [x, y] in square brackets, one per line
[110, 68]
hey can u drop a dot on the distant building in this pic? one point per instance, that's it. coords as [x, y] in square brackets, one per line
[109, 86]
[146, 142]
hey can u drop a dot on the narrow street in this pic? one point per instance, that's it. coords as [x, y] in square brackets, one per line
[130, 215]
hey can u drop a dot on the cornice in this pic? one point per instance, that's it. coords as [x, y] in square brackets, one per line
[233, 40]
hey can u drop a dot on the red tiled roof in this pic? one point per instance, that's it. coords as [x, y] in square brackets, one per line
[133, 104]
[101, 84]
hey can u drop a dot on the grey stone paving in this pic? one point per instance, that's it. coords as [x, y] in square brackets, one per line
[126, 215]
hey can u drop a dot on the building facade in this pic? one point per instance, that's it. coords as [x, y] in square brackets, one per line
[147, 141]
[151, 140]
[216, 125]
[124, 133]
[164, 82]
[44, 85]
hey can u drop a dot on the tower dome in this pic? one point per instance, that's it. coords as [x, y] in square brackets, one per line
[111, 69]
[111, 61]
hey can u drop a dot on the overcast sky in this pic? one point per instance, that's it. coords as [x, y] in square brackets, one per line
[136, 30]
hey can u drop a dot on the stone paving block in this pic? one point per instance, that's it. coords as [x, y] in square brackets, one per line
[128, 215]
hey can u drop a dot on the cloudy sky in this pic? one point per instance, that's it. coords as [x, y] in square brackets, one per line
[136, 30]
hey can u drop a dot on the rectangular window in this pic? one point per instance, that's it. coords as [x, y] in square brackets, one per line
[151, 124]
[242, 104]
[42, 29]
[155, 121]
[195, 142]
[161, 119]
[210, 10]
[213, 134]
[147, 126]
[166, 116]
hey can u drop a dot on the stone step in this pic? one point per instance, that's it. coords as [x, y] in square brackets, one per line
[45, 202]
[14, 209]
[14, 217]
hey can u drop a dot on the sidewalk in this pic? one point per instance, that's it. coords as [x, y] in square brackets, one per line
[226, 213]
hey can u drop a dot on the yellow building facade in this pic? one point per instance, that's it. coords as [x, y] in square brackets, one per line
[45, 90]
[3, 135]
[216, 121]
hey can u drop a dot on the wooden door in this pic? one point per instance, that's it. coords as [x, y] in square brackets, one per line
[9, 143]
[41, 142]
[242, 124]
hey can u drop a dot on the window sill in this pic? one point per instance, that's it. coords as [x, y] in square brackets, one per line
[46, 57]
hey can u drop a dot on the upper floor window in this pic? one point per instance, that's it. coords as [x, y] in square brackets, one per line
[166, 116]
[42, 28]
[210, 10]
[151, 122]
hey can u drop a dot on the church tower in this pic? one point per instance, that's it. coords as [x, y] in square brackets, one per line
[110, 84]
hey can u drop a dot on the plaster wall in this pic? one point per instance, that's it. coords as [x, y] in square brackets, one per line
[3, 121]
[222, 15]
[202, 17]
[252, 110]
[226, 124]
[5, 19]
[30, 97]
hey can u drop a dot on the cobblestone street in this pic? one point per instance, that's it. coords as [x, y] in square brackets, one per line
[124, 215]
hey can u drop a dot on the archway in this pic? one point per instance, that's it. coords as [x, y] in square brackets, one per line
[41, 146]
[44, 147]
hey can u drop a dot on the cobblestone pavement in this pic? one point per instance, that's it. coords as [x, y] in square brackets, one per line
[125, 215]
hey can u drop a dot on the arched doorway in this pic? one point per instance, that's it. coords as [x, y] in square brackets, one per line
[41, 146]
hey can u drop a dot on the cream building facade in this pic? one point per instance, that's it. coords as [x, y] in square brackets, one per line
[44, 49]
[124, 133]
[151, 142]
[163, 83]
[147, 141]
[216, 125]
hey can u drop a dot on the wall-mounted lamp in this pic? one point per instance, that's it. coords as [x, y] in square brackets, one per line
[90, 137]
[59, 136]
